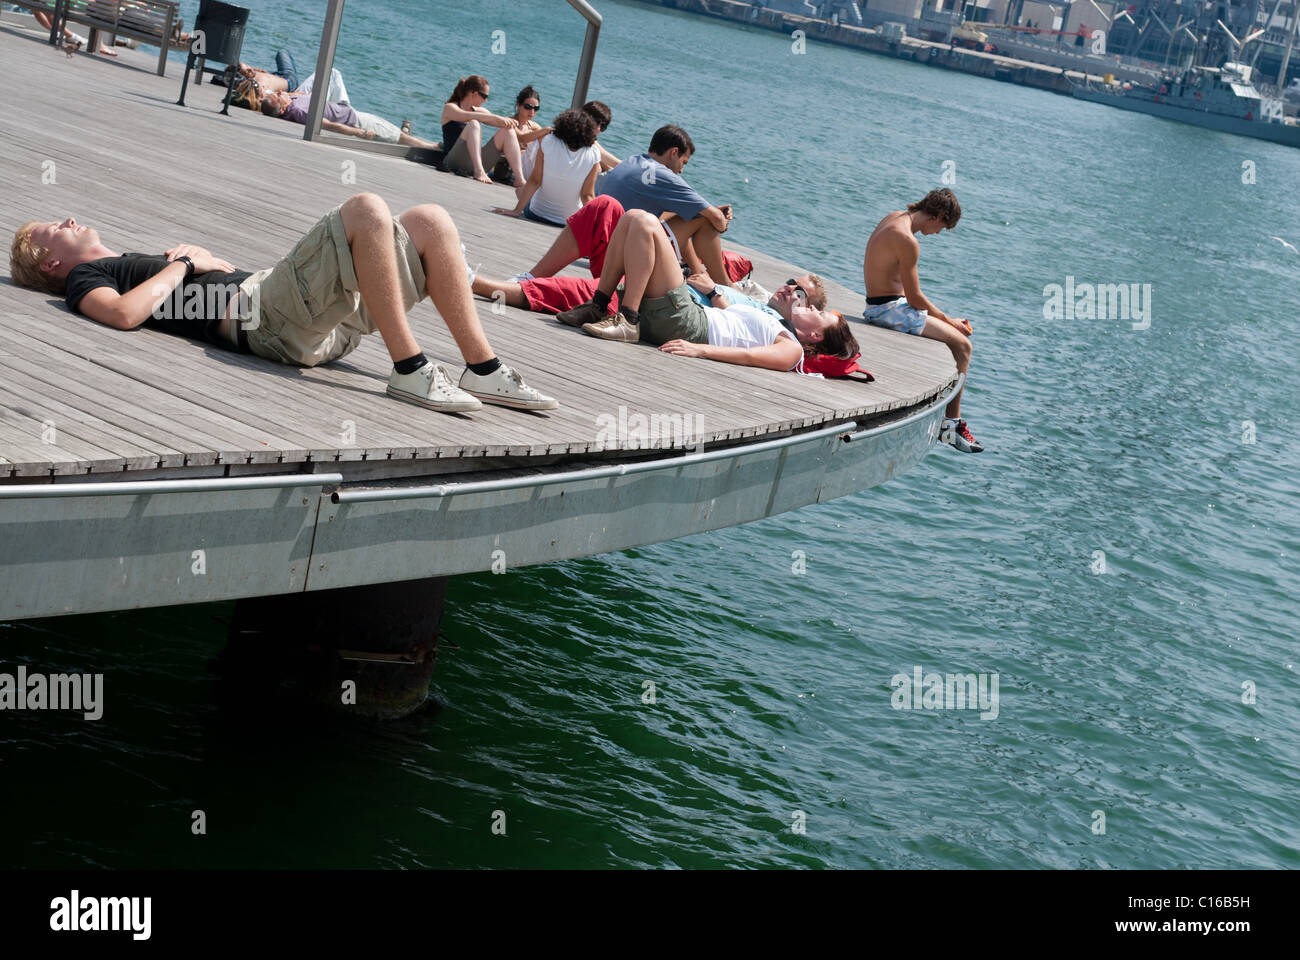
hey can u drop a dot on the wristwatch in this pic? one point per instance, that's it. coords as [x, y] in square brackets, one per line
[714, 292]
[189, 266]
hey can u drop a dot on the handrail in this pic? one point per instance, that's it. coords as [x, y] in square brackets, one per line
[149, 487]
[329, 40]
[588, 58]
[895, 424]
[575, 476]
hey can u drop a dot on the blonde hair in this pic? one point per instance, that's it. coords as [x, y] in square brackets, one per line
[25, 259]
[819, 289]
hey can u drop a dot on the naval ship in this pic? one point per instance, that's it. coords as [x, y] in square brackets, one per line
[1221, 98]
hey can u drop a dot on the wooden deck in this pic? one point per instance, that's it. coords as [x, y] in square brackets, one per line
[104, 142]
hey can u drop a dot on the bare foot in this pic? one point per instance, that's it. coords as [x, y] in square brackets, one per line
[482, 178]
[107, 51]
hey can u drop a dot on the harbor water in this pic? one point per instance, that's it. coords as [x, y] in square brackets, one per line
[1120, 565]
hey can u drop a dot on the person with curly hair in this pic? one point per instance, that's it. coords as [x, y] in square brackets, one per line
[564, 176]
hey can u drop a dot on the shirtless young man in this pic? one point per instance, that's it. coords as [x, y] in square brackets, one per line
[895, 300]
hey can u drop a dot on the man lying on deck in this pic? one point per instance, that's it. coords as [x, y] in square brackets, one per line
[657, 307]
[340, 118]
[358, 270]
[895, 300]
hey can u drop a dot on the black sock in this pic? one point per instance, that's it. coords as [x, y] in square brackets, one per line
[484, 368]
[601, 299]
[630, 315]
[410, 364]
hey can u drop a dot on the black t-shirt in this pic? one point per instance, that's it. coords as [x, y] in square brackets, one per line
[192, 310]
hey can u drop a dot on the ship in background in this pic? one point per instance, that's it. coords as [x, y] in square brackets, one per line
[1220, 98]
[1135, 41]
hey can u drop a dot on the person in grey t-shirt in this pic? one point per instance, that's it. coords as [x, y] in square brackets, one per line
[652, 182]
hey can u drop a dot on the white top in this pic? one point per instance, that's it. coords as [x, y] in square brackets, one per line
[563, 175]
[528, 157]
[740, 325]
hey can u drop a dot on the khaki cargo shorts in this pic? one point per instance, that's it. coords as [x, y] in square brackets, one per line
[306, 310]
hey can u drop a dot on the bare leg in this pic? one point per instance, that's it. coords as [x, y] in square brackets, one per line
[701, 245]
[507, 141]
[438, 244]
[369, 227]
[562, 253]
[409, 140]
[473, 137]
[511, 293]
[960, 346]
[644, 256]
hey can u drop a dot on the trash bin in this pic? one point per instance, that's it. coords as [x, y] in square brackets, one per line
[218, 36]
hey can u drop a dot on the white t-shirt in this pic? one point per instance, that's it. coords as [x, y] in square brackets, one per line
[740, 325]
[563, 175]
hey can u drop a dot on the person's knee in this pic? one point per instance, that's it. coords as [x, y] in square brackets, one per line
[427, 220]
[961, 350]
[365, 210]
[640, 220]
[472, 127]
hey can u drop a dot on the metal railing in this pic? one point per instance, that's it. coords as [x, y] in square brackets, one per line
[149, 487]
[577, 476]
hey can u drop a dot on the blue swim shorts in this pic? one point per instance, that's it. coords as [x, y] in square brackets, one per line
[896, 315]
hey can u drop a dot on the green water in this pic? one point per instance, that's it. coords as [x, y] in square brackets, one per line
[1120, 692]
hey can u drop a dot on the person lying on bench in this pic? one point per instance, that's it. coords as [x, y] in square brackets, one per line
[340, 118]
[656, 307]
[357, 271]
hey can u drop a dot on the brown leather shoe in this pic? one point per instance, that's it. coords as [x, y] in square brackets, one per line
[580, 315]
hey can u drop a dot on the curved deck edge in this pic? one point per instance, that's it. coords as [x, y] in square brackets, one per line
[116, 547]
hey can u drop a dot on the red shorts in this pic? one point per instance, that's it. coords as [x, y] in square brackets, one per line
[592, 227]
[594, 224]
[557, 294]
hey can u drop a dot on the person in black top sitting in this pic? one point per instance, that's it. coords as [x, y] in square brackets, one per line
[358, 270]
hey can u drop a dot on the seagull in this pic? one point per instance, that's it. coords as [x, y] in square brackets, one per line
[1285, 244]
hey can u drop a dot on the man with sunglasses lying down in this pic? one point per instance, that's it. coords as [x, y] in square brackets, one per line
[656, 306]
[358, 270]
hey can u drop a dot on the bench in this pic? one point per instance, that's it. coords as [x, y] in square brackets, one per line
[50, 7]
[150, 21]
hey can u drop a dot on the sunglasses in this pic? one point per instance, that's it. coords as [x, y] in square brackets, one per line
[531, 106]
[799, 291]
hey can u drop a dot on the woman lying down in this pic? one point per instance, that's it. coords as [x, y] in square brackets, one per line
[656, 306]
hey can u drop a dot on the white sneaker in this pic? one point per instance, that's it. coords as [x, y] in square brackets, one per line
[431, 387]
[505, 387]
